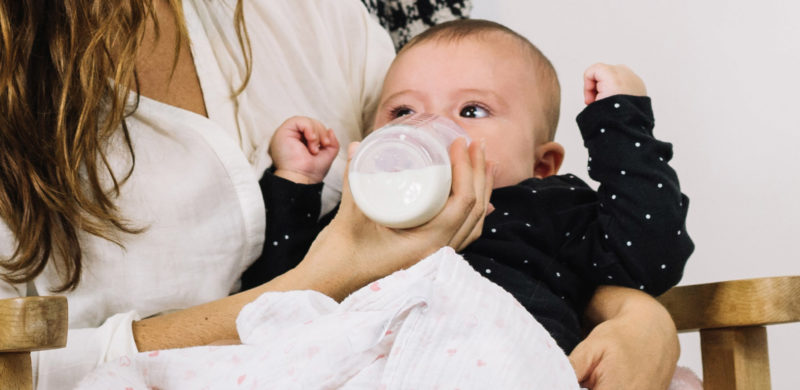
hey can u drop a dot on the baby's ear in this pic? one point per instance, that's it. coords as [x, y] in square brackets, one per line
[549, 157]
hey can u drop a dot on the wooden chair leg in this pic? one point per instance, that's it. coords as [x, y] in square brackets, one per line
[15, 368]
[735, 358]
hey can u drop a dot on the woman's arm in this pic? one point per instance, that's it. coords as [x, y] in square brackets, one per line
[348, 254]
[633, 345]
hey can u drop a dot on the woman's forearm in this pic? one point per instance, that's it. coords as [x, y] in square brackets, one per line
[199, 325]
[216, 320]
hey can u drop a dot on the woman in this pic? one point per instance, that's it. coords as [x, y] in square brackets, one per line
[138, 204]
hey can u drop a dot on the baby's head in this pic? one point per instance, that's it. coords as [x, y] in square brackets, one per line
[492, 82]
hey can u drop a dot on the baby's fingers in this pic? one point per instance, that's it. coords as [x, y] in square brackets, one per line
[330, 140]
[590, 83]
[313, 133]
[311, 137]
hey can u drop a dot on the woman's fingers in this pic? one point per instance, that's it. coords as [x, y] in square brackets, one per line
[444, 229]
[488, 184]
[469, 186]
[476, 181]
[483, 187]
[491, 171]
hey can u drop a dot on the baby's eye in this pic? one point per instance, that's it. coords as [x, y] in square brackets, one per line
[473, 111]
[400, 111]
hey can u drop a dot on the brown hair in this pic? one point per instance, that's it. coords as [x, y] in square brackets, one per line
[66, 70]
[546, 76]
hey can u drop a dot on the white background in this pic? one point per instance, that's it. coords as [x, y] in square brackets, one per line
[725, 81]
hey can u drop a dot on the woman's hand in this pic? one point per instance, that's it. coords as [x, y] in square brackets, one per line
[634, 345]
[353, 250]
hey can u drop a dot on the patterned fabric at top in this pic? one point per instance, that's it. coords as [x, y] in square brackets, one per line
[406, 18]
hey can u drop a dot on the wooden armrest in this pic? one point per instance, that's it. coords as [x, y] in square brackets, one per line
[33, 323]
[731, 317]
[28, 324]
[736, 303]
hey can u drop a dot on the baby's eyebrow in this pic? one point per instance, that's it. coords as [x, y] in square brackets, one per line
[485, 93]
[393, 96]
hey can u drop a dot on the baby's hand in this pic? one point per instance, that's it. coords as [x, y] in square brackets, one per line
[601, 81]
[302, 150]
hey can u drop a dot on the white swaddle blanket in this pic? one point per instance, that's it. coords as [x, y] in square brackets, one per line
[436, 324]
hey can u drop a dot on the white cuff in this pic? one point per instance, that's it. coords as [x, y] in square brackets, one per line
[121, 341]
[86, 349]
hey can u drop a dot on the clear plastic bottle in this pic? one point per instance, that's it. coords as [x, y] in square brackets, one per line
[400, 175]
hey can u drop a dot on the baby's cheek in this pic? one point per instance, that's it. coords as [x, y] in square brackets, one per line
[502, 179]
[512, 171]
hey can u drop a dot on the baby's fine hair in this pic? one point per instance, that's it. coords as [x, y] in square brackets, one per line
[545, 73]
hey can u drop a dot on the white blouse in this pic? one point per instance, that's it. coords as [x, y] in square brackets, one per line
[195, 188]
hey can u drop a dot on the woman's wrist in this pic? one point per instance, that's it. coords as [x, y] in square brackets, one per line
[630, 306]
[330, 266]
[609, 302]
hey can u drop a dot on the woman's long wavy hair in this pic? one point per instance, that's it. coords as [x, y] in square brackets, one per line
[57, 109]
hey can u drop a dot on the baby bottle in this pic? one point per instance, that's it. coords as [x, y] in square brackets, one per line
[400, 175]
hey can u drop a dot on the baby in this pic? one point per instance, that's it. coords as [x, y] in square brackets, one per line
[551, 239]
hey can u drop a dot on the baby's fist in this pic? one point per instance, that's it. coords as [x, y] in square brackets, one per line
[303, 149]
[602, 80]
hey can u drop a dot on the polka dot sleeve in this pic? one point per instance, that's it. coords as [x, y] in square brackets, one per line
[640, 234]
[292, 224]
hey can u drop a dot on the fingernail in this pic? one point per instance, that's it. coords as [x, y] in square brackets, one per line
[483, 144]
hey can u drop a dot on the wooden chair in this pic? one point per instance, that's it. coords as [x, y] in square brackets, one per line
[28, 324]
[731, 317]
